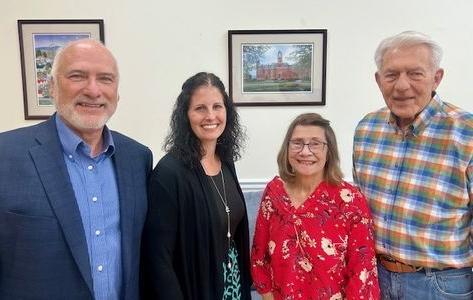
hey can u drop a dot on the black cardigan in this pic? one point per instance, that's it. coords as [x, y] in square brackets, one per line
[179, 254]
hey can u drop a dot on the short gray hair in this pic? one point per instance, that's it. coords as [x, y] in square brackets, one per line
[408, 39]
[57, 59]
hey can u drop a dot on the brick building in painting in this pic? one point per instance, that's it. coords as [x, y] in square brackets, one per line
[280, 71]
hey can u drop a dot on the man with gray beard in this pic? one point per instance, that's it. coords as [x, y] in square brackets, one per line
[73, 194]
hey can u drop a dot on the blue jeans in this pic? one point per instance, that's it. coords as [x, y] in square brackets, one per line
[426, 284]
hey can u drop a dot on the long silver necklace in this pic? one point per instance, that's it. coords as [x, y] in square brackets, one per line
[225, 204]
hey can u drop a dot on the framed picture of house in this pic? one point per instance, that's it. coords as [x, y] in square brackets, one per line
[39, 42]
[277, 67]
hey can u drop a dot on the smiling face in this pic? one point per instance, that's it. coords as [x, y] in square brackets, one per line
[207, 114]
[307, 164]
[407, 79]
[85, 87]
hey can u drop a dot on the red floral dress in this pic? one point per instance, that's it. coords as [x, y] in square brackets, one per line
[321, 250]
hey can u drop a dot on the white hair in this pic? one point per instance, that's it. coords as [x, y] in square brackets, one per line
[408, 39]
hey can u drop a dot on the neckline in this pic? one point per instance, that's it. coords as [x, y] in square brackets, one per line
[226, 206]
[307, 201]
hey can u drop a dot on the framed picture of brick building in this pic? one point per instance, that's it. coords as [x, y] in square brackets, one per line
[277, 67]
[39, 42]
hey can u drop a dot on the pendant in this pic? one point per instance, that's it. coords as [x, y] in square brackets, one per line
[229, 235]
[229, 265]
[227, 209]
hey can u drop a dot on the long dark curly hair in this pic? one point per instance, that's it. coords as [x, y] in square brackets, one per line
[182, 141]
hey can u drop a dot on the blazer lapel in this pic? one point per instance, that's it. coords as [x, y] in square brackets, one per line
[52, 170]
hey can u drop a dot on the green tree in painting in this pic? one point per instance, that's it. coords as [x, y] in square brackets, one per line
[302, 58]
[252, 54]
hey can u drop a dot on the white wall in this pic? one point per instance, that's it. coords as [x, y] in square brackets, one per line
[159, 44]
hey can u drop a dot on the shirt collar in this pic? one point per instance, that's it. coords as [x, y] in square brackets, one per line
[70, 141]
[422, 119]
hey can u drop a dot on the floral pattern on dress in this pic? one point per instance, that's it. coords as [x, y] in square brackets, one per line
[323, 249]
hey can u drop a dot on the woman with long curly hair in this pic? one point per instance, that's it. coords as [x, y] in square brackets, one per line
[195, 243]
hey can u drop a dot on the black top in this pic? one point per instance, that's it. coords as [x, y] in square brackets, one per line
[180, 256]
[234, 201]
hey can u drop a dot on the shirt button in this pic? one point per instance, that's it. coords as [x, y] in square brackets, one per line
[100, 268]
[90, 167]
[97, 232]
[94, 199]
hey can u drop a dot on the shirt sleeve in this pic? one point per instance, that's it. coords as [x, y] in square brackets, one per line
[260, 258]
[361, 258]
[353, 171]
[469, 179]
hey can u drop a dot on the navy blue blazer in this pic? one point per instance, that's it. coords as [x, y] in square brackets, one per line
[43, 251]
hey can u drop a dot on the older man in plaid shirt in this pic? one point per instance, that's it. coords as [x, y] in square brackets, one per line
[414, 162]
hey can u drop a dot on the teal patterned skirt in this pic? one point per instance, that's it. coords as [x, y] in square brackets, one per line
[231, 276]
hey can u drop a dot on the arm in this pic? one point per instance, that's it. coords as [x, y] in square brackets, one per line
[353, 171]
[260, 258]
[149, 163]
[353, 159]
[159, 238]
[469, 177]
[361, 257]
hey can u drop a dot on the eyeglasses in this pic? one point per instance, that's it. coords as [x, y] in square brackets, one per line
[314, 146]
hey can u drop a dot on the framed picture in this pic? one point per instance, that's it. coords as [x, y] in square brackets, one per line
[39, 42]
[277, 67]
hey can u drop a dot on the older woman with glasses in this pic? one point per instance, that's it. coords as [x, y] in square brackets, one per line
[314, 234]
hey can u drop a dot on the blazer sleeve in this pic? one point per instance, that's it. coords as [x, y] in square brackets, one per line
[159, 237]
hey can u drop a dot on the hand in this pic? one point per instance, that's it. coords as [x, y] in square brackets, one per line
[267, 296]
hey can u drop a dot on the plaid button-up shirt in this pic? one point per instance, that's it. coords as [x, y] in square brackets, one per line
[419, 184]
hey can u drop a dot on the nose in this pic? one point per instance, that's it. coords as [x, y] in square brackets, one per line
[210, 114]
[402, 83]
[305, 150]
[92, 90]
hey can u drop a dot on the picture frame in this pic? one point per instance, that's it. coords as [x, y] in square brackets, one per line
[39, 42]
[277, 67]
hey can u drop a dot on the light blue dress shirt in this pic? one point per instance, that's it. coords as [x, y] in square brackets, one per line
[95, 187]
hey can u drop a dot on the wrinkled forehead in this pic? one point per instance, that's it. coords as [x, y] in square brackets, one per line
[87, 57]
[418, 54]
[308, 132]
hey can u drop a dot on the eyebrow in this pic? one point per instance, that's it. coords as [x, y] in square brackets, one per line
[75, 71]
[312, 139]
[114, 75]
[392, 70]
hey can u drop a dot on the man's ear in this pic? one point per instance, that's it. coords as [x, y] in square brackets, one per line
[376, 77]
[438, 77]
[52, 87]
